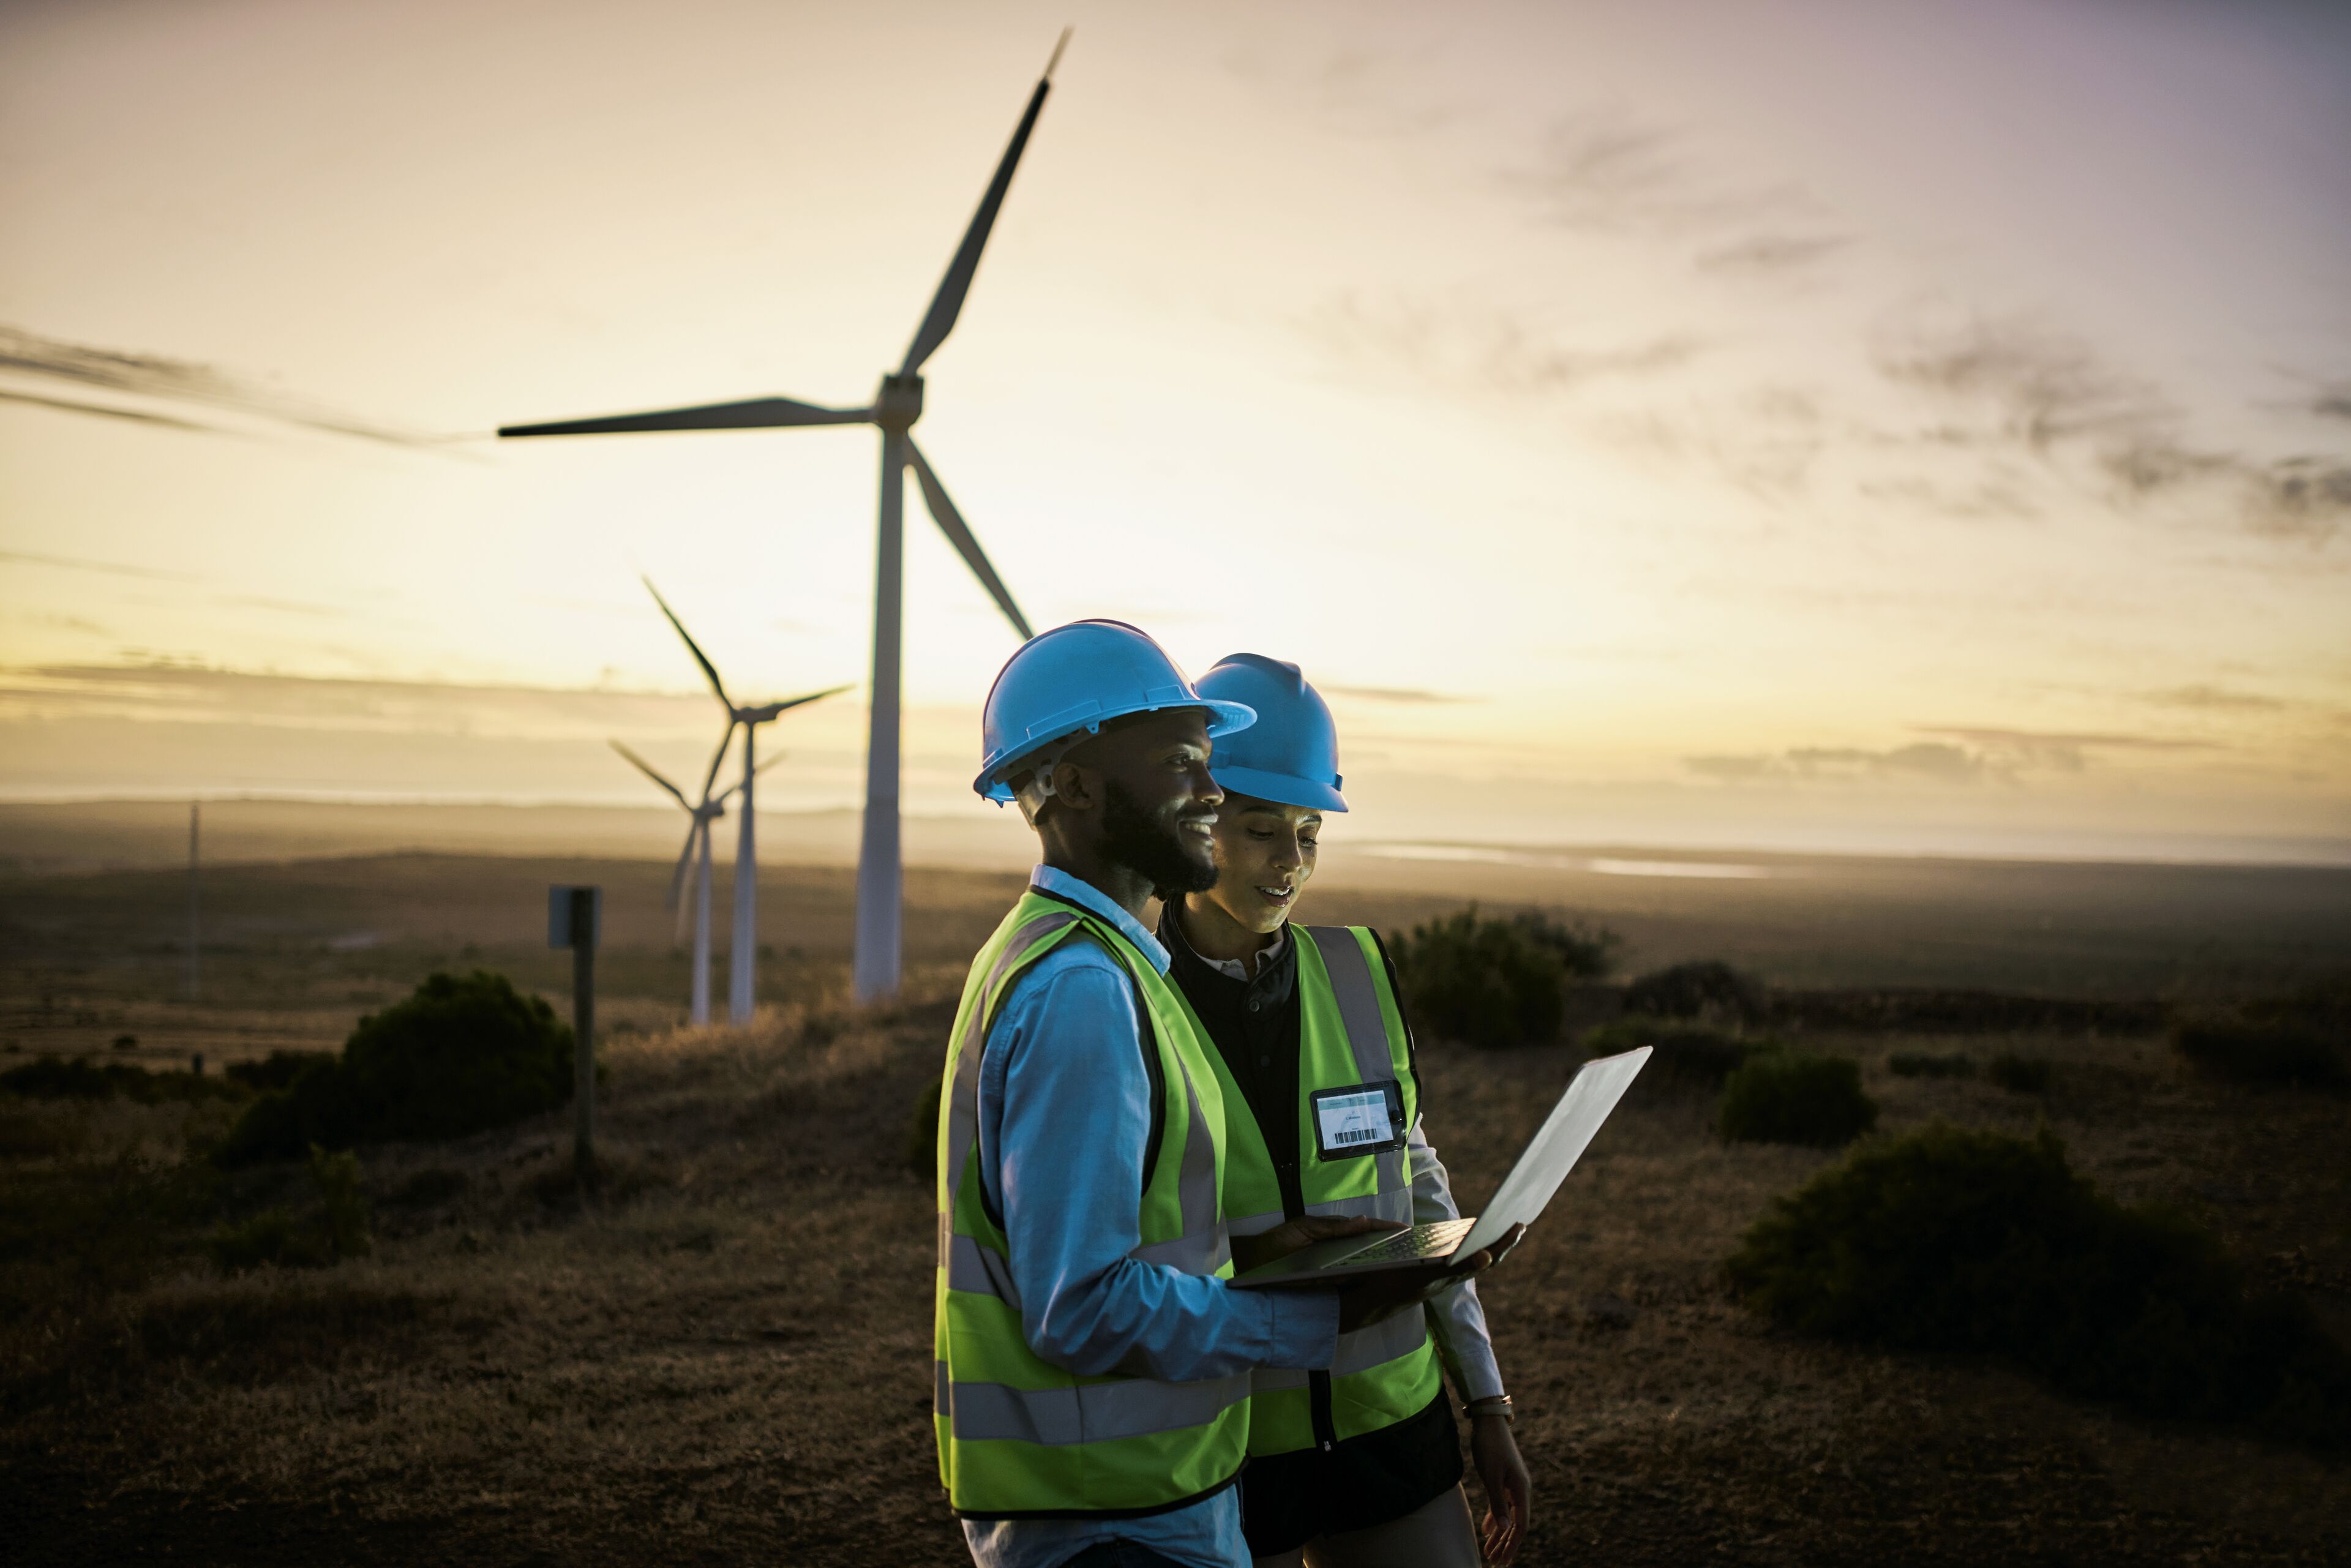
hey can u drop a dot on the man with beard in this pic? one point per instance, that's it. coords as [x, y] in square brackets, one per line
[1091, 1381]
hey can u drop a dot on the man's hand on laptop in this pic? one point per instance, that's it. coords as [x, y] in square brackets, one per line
[1392, 1291]
[1294, 1235]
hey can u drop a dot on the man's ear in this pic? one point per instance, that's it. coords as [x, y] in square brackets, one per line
[1074, 787]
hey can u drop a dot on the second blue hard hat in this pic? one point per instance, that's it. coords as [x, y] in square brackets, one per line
[1290, 756]
[1074, 678]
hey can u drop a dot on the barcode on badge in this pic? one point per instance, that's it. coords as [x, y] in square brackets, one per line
[1350, 1121]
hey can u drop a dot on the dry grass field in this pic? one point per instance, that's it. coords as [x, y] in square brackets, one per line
[724, 1359]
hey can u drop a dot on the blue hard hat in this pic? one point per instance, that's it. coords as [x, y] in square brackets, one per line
[1076, 678]
[1290, 756]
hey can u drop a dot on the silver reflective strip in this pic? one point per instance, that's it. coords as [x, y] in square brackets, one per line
[1367, 1032]
[1274, 1379]
[963, 1121]
[980, 1272]
[1395, 1204]
[1380, 1344]
[1196, 1181]
[1092, 1412]
[1254, 1224]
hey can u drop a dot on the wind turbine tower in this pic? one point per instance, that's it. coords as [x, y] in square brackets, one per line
[743, 951]
[696, 856]
[896, 405]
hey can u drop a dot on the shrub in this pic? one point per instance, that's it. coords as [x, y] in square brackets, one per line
[1792, 1097]
[279, 1069]
[275, 1235]
[79, 1078]
[1684, 1053]
[1584, 952]
[923, 1134]
[2020, 1074]
[1955, 1241]
[1703, 988]
[2240, 1051]
[1487, 982]
[1920, 1064]
[456, 1056]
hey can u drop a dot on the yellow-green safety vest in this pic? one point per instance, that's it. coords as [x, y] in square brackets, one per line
[1018, 1436]
[1349, 1031]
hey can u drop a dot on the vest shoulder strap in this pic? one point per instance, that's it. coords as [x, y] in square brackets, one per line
[1357, 994]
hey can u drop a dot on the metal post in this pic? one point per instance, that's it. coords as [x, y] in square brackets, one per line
[572, 921]
[584, 1030]
[879, 884]
[196, 908]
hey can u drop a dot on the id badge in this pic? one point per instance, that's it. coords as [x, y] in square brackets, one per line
[1361, 1119]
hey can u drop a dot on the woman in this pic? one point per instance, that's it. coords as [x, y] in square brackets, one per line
[1359, 1464]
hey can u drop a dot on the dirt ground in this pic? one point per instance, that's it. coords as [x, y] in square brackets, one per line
[725, 1359]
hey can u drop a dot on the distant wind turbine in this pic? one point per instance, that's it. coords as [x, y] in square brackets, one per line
[696, 853]
[895, 408]
[743, 952]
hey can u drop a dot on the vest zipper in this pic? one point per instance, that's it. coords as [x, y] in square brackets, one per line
[1318, 1400]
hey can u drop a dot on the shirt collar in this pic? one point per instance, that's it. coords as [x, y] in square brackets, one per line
[1235, 968]
[1094, 901]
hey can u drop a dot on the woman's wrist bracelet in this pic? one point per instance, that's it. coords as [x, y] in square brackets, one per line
[1495, 1405]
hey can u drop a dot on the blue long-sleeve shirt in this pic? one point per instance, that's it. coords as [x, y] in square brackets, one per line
[1064, 1113]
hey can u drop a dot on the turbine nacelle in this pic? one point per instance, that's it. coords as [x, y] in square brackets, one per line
[899, 403]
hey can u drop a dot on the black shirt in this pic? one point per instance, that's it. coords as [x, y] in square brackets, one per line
[1288, 1499]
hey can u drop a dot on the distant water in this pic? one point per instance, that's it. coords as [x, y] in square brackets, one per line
[1553, 859]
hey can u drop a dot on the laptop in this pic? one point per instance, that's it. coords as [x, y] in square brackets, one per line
[1561, 1141]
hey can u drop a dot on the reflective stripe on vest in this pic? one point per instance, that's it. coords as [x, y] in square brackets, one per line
[1350, 1030]
[1016, 1434]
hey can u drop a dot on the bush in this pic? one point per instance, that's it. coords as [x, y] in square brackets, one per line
[1955, 1241]
[1919, 1064]
[1487, 982]
[2236, 1050]
[1703, 988]
[275, 1235]
[923, 1135]
[79, 1078]
[279, 1069]
[1584, 952]
[1685, 1053]
[456, 1056]
[2020, 1074]
[1791, 1097]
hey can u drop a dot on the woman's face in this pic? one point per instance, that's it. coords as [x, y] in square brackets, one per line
[1265, 853]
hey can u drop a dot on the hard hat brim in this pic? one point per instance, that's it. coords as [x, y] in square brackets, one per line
[1282, 789]
[1224, 718]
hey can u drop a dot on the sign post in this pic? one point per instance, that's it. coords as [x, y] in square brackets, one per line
[574, 918]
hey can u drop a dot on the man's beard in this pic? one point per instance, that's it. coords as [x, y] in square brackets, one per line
[1132, 839]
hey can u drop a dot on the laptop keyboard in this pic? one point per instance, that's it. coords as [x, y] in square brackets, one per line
[1420, 1242]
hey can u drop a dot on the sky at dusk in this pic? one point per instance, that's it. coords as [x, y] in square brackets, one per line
[1904, 426]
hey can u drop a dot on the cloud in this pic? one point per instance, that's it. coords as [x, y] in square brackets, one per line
[1983, 755]
[2335, 403]
[283, 606]
[1771, 254]
[1612, 172]
[1484, 349]
[2215, 699]
[2057, 400]
[71, 563]
[185, 382]
[1395, 695]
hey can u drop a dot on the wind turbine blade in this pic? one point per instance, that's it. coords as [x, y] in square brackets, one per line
[727, 793]
[948, 302]
[647, 769]
[753, 414]
[772, 709]
[677, 877]
[699, 657]
[718, 757]
[951, 522]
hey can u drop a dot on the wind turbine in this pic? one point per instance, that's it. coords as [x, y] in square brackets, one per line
[895, 408]
[697, 853]
[743, 952]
